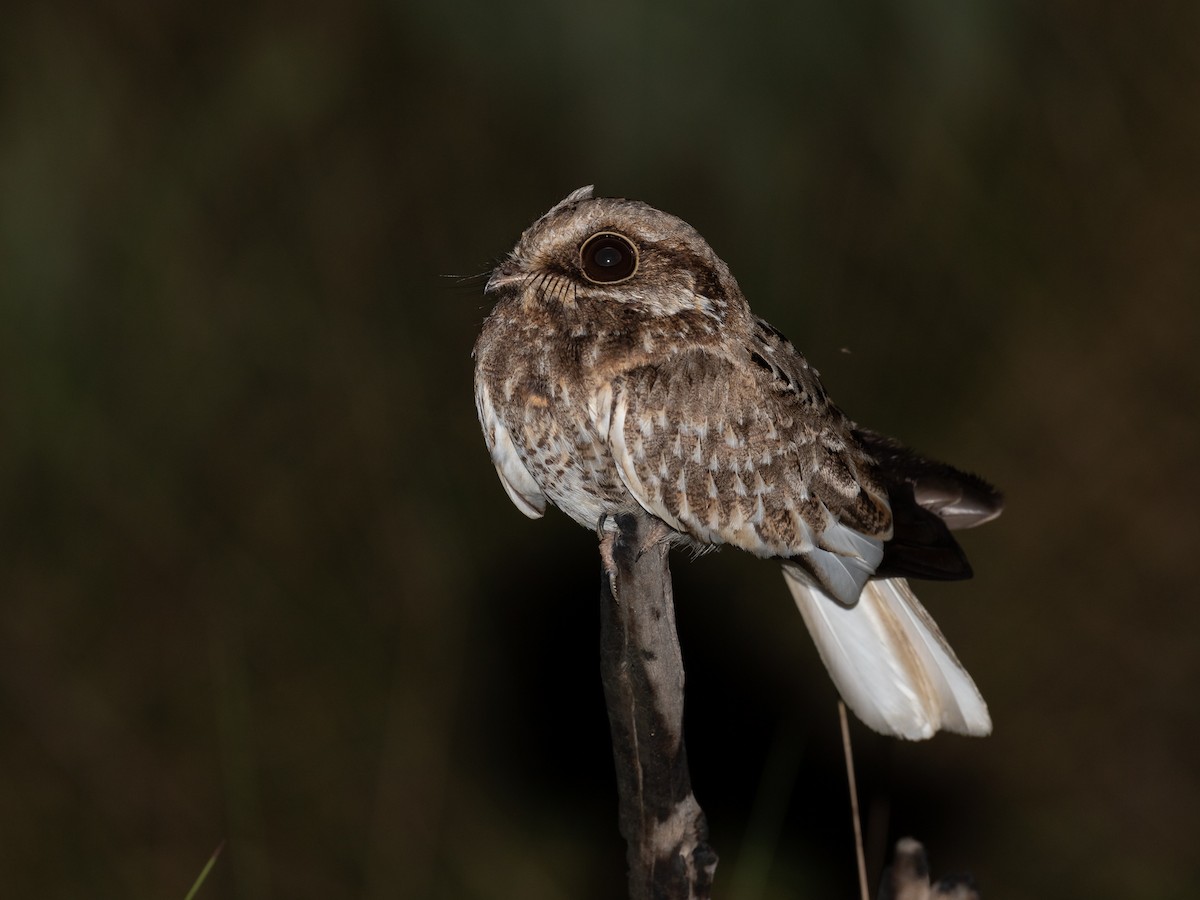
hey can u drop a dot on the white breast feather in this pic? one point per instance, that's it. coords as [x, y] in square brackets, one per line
[520, 486]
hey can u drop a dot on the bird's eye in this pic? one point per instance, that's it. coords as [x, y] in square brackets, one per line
[607, 257]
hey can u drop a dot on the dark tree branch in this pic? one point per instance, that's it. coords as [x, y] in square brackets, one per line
[908, 878]
[642, 670]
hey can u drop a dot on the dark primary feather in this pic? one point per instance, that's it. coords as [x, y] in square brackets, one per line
[921, 545]
[960, 499]
[928, 500]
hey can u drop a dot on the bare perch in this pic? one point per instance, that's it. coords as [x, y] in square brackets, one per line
[642, 670]
[908, 878]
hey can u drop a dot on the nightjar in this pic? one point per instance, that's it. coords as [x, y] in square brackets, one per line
[622, 370]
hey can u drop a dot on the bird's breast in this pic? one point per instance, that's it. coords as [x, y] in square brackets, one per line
[543, 390]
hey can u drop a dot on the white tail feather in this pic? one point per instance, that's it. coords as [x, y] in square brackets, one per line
[889, 660]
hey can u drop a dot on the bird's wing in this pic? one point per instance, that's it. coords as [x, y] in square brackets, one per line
[929, 499]
[521, 487]
[960, 499]
[749, 452]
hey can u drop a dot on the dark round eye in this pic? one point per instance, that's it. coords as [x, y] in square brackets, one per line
[607, 257]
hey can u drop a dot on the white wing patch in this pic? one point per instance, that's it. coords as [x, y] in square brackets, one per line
[520, 486]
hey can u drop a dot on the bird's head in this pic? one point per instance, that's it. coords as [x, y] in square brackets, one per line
[589, 249]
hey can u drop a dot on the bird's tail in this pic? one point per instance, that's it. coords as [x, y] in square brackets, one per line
[889, 660]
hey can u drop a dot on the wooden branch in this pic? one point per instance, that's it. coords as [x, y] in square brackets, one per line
[642, 670]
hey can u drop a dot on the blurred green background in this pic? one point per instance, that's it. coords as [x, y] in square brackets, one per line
[260, 583]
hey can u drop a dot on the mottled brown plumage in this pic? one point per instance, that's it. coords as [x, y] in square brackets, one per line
[622, 369]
